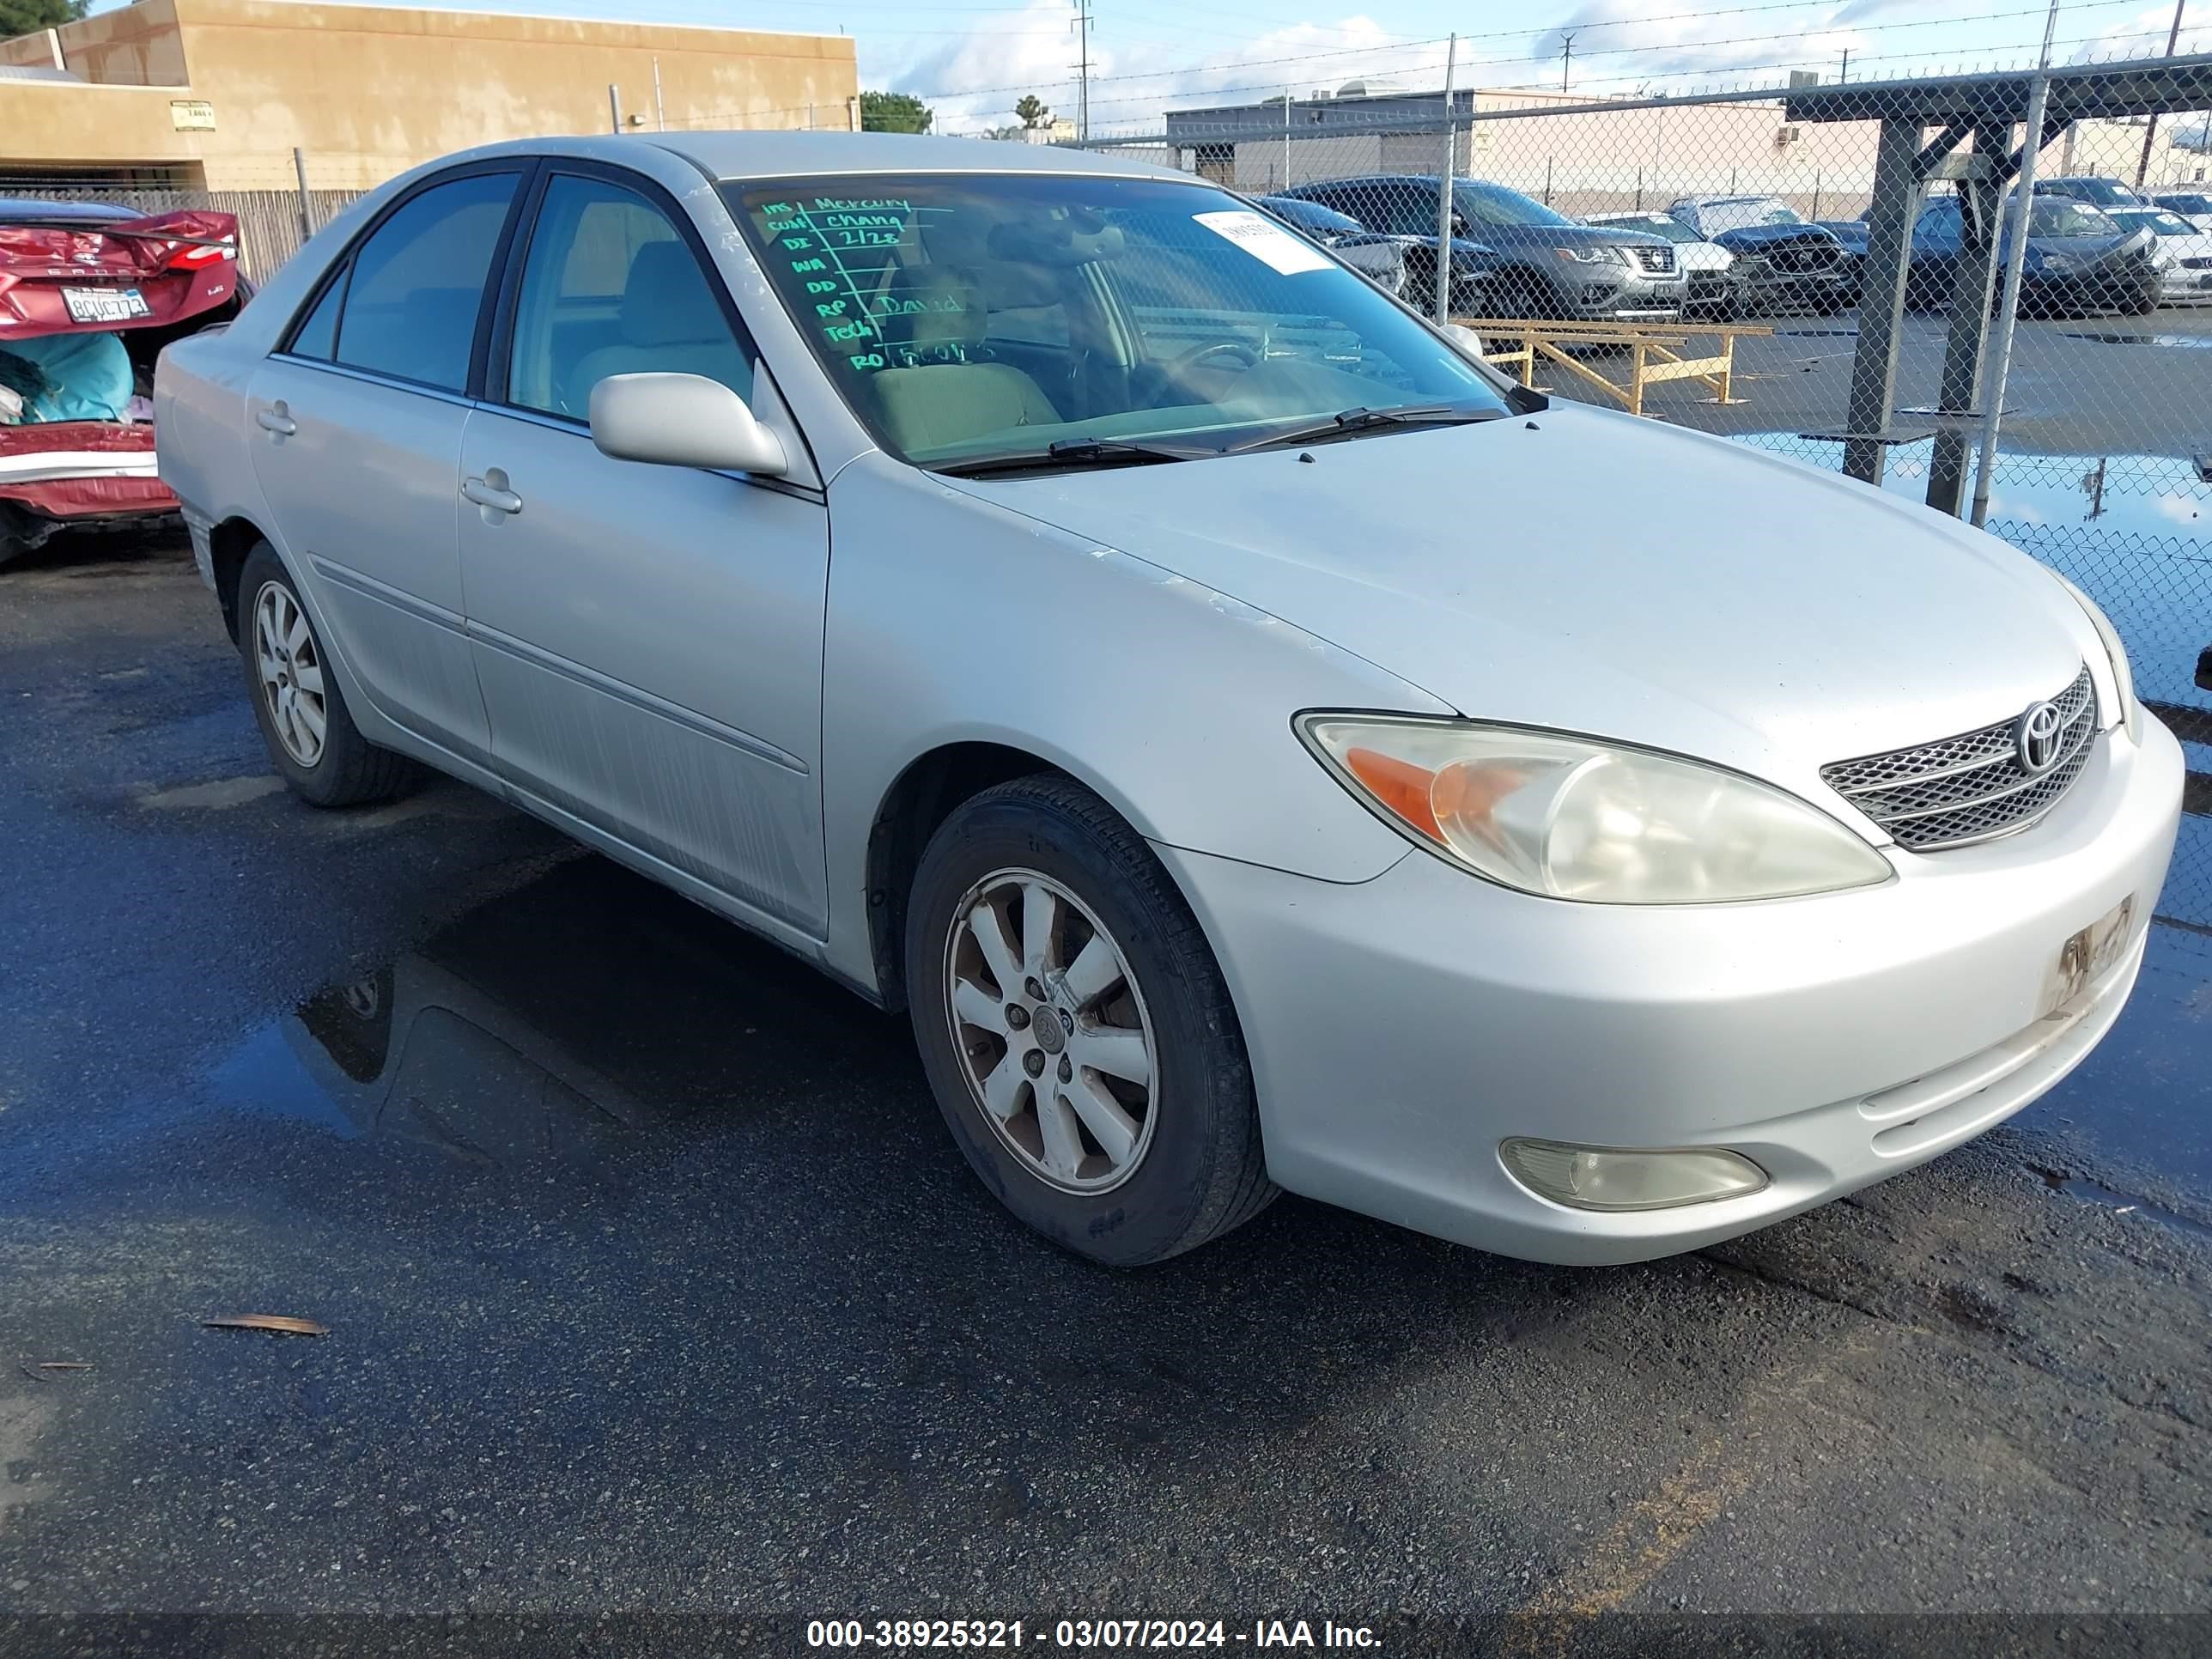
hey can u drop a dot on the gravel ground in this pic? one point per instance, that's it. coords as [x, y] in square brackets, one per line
[654, 1287]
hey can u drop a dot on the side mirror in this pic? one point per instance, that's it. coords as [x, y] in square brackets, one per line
[680, 420]
[1468, 342]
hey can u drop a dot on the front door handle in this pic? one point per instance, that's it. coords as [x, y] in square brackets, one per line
[491, 491]
[277, 419]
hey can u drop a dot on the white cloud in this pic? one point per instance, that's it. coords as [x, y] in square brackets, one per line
[973, 83]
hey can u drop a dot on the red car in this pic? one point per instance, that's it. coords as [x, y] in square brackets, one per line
[89, 294]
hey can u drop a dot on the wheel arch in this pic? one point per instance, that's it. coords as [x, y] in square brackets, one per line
[930, 789]
[229, 544]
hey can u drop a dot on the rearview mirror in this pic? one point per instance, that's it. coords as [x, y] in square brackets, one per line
[680, 420]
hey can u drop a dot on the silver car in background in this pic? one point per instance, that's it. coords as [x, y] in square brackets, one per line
[2182, 252]
[1259, 745]
[1713, 287]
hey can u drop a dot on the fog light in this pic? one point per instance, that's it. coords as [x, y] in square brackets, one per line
[1612, 1178]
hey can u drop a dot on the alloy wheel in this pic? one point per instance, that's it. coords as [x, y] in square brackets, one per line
[1051, 1030]
[291, 669]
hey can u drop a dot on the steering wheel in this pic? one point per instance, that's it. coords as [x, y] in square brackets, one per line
[1248, 356]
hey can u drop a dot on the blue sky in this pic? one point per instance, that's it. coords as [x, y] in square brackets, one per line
[974, 58]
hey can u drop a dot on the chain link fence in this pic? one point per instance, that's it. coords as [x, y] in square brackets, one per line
[1718, 261]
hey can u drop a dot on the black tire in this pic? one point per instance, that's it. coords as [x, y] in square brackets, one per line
[350, 770]
[1203, 1171]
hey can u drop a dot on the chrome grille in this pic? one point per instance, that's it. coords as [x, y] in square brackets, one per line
[1970, 788]
[1659, 259]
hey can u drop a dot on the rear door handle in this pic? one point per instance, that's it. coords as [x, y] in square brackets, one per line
[277, 419]
[491, 491]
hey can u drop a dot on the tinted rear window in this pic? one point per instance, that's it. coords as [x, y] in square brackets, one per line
[418, 280]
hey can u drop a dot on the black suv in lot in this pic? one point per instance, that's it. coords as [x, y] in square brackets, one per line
[1542, 263]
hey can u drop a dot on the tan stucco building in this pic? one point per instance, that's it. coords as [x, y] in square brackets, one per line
[217, 94]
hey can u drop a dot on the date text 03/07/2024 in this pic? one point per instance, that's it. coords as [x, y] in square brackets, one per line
[1153, 1635]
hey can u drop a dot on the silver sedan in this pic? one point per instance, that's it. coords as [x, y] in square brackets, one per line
[1260, 745]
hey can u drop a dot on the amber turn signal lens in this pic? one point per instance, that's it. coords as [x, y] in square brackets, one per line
[1398, 785]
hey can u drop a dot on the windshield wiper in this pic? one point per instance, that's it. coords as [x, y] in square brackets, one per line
[1073, 452]
[1363, 419]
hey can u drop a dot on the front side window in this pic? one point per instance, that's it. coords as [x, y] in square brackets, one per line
[965, 316]
[609, 287]
[418, 282]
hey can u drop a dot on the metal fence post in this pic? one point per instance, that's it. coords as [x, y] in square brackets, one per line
[1443, 283]
[307, 213]
[614, 105]
[2000, 366]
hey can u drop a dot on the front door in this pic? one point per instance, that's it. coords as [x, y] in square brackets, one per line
[356, 441]
[648, 639]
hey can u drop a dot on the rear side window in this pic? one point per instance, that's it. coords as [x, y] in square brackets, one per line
[417, 284]
[318, 337]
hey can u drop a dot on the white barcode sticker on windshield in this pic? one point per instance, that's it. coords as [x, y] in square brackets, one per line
[1266, 241]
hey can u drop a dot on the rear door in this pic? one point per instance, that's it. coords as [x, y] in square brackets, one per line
[357, 440]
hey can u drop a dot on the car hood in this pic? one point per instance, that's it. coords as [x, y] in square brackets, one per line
[1704, 599]
[1763, 239]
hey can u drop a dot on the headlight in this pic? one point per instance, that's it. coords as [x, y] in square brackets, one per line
[1607, 255]
[2123, 676]
[2060, 262]
[1572, 818]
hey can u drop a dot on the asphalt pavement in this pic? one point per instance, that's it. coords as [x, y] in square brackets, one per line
[653, 1287]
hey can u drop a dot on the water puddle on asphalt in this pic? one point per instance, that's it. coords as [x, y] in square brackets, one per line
[414, 1051]
[2172, 342]
[2089, 1192]
[552, 1028]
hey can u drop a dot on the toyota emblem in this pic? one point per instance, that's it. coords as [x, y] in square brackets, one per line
[2037, 737]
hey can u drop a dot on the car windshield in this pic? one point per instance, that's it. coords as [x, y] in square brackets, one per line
[1738, 214]
[1656, 224]
[2104, 193]
[2056, 216]
[2187, 203]
[1494, 204]
[2165, 223]
[966, 317]
[1310, 216]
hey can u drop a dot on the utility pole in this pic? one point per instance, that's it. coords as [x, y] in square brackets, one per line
[660, 110]
[1567, 54]
[1846, 73]
[2150, 126]
[1082, 27]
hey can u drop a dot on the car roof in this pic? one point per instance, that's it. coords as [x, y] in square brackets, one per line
[739, 155]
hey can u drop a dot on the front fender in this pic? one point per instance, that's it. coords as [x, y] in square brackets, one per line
[955, 619]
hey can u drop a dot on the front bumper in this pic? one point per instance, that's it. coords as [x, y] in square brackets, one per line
[1401, 1027]
[1612, 295]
